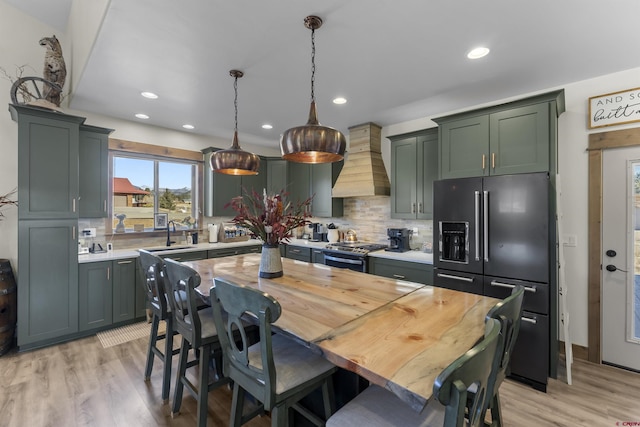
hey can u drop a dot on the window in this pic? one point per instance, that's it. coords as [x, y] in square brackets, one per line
[144, 185]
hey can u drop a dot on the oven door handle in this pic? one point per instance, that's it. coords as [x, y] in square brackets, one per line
[343, 260]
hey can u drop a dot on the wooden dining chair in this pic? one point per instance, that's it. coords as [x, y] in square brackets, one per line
[509, 313]
[198, 332]
[152, 267]
[449, 405]
[277, 371]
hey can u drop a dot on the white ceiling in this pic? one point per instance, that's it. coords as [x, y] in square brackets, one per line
[393, 60]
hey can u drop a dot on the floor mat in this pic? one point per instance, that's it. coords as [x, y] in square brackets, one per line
[124, 334]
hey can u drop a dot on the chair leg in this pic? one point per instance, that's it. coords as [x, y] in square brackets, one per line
[328, 398]
[153, 338]
[203, 388]
[496, 411]
[168, 356]
[280, 415]
[182, 369]
[237, 404]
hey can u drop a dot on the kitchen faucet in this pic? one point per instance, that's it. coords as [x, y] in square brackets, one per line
[169, 241]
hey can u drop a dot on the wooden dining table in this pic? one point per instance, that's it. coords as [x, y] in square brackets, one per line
[399, 335]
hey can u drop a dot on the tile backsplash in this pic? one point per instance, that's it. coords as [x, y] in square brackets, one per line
[369, 217]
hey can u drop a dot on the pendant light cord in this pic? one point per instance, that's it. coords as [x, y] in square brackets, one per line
[235, 101]
[313, 63]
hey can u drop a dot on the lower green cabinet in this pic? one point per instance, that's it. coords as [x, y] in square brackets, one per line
[187, 256]
[238, 250]
[107, 292]
[124, 290]
[299, 253]
[317, 256]
[95, 308]
[402, 270]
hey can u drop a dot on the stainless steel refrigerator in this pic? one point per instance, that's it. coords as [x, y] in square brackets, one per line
[490, 234]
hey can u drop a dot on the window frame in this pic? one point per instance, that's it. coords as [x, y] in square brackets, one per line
[123, 148]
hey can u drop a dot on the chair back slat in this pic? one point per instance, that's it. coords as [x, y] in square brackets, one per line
[509, 313]
[152, 266]
[474, 368]
[182, 281]
[238, 302]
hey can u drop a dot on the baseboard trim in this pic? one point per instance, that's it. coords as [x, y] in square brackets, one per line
[579, 352]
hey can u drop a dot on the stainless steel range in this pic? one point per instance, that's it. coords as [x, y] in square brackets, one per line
[351, 255]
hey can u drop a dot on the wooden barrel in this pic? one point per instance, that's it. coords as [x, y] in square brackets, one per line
[8, 306]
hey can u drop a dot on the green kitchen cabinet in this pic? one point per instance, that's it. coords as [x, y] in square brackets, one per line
[276, 175]
[186, 256]
[317, 180]
[234, 250]
[93, 171]
[47, 281]
[95, 289]
[48, 144]
[317, 256]
[298, 253]
[414, 167]
[401, 270]
[220, 188]
[124, 290]
[141, 294]
[518, 137]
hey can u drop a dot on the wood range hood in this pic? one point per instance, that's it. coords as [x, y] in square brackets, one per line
[363, 173]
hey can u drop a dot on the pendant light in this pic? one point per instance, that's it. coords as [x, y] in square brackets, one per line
[313, 143]
[234, 160]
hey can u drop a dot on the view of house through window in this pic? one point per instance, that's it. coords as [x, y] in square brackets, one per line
[145, 187]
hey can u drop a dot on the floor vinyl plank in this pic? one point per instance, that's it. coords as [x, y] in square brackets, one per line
[81, 384]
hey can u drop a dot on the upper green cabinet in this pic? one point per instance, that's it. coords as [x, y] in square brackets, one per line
[47, 163]
[93, 172]
[219, 188]
[276, 175]
[307, 180]
[519, 137]
[414, 167]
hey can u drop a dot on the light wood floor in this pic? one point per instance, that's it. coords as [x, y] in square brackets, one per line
[82, 384]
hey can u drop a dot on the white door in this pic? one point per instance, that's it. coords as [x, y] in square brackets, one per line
[620, 257]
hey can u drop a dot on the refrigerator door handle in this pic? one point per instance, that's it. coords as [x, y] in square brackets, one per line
[485, 224]
[477, 226]
[510, 286]
[460, 278]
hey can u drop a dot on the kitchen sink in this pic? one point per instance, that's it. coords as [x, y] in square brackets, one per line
[167, 248]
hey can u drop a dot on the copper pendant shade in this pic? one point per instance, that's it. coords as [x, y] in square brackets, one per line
[313, 142]
[234, 160]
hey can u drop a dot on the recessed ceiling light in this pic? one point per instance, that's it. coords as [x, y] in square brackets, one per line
[142, 116]
[149, 95]
[340, 100]
[478, 52]
[267, 126]
[188, 126]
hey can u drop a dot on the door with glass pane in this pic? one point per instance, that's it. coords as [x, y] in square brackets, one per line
[621, 257]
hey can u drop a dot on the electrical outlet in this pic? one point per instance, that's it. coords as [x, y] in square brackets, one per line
[415, 231]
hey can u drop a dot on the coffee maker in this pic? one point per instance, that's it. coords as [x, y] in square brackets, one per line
[319, 232]
[398, 239]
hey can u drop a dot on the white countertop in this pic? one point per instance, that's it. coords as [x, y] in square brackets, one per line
[411, 256]
[133, 253]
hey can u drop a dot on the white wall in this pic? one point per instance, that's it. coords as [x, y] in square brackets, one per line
[19, 35]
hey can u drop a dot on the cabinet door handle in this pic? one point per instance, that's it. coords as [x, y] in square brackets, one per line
[529, 320]
[125, 262]
[108, 273]
[413, 207]
[73, 205]
[296, 251]
[493, 160]
[398, 276]
[483, 161]
[510, 286]
[460, 278]
[104, 209]
[420, 210]
[73, 233]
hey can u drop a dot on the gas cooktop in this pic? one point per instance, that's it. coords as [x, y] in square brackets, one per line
[355, 247]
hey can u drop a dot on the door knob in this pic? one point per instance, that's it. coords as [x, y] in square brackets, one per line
[612, 267]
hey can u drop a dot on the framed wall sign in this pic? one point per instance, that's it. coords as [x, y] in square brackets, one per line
[160, 221]
[614, 108]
